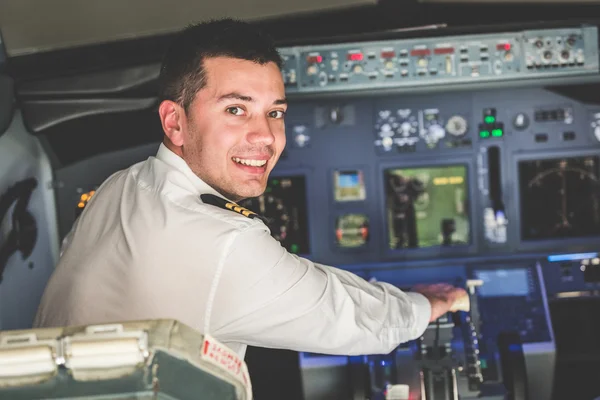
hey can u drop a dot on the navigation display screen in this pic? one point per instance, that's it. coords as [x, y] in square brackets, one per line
[560, 198]
[503, 282]
[284, 204]
[427, 207]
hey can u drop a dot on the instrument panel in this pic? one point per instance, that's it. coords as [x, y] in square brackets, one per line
[441, 61]
[453, 174]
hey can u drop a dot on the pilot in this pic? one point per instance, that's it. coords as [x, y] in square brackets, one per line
[164, 238]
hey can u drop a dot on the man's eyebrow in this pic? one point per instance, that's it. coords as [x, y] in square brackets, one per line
[239, 96]
[235, 96]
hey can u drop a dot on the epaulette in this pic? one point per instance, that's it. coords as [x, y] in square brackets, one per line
[228, 205]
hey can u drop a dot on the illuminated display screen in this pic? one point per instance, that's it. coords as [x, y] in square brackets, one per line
[427, 206]
[349, 186]
[284, 205]
[560, 198]
[503, 282]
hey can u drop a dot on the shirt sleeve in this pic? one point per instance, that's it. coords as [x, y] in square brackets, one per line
[268, 297]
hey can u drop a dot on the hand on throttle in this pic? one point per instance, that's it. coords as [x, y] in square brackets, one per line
[443, 298]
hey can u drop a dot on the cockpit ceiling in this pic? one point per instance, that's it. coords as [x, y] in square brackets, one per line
[33, 26]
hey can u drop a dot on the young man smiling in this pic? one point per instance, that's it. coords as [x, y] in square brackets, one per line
[152, 244]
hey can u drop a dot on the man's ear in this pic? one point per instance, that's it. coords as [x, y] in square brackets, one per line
[173, 120]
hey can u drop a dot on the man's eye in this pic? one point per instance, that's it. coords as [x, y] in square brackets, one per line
[277, 114]
[235, 110]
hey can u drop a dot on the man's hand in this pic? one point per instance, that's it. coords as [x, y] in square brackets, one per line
[443, 298]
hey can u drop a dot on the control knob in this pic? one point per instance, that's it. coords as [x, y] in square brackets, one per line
[434, 133]
[457, 125]
[387, 143]
[406, 127]
[336, 115]
[521, 121]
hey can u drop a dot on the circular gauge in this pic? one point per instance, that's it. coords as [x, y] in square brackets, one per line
[352, 230]
[274, 210]
[456, 125]
[560, 198]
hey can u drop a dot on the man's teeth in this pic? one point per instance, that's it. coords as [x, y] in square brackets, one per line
[252, 163]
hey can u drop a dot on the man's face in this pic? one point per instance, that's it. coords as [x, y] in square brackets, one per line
[235, 128]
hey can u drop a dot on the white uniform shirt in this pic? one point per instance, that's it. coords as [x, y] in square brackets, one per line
[147, 247]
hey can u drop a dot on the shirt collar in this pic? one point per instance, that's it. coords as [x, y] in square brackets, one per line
[167, 156]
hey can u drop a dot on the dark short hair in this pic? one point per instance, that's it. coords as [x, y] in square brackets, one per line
[182, 72]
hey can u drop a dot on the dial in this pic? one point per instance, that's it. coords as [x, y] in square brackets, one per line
[560, 198]
[457, 125]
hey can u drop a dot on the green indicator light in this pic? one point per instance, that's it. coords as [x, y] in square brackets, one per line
[490, 119]
[294, 248]
[275, 182]
[484, 134]
[497, 132]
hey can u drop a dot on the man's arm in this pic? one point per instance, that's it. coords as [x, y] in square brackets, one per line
[270, 298]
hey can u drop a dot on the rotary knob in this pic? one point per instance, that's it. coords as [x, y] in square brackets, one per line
[336, 115]
[434, 133]
[405, 127]
[521, 121]
[457, 126]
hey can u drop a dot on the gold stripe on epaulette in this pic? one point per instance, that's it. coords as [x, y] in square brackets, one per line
[238, 209]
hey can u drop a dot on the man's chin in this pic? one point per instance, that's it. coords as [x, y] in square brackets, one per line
[250, 195]
[247, 192]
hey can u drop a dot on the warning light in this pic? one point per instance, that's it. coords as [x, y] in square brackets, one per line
[504, 46]
[355, 57]
[84, 197]
[314, 59]
[81, 204]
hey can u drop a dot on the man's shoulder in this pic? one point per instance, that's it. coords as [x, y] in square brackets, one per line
[234, 215]
[196, 210]
[165, 184]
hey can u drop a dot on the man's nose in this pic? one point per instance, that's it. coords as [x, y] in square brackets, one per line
[261, 132]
